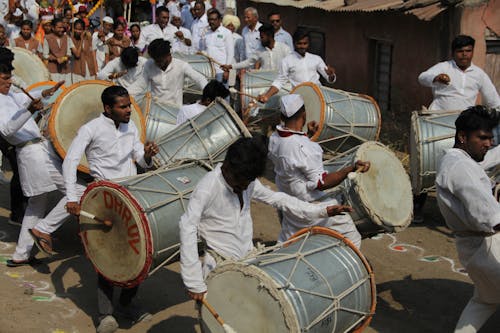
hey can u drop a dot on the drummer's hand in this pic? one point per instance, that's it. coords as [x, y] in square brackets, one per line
[263, 98]
[73, 208]
[179, 35]
[226, 68]
[362, 166]
[196, 296]
[442, 78]
[338, 209]
[330, 71]
[312, 128]
[51, 91]
[35, 105]
[150, 150]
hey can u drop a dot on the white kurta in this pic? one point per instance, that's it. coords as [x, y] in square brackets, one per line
[466, 202]
[298, 69]
[187, 112]
[219, 45]
[153, 31]
[284, 37]
[167, 85]
[463, 88]
[270, 59]
[215, 215]
[133, 80]
[298, 165]
[251, 39]
[179, 45]
[199, 25]
[100, 48]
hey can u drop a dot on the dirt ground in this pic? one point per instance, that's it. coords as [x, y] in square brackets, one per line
[420, 287]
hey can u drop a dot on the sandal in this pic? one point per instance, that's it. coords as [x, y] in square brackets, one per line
[42, 241]
[27, 262]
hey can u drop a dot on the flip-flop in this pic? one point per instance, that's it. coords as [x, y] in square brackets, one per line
[28, 262]
[41, 243]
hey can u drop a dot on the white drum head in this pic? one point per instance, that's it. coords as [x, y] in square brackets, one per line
[314, 102]
[29, 67]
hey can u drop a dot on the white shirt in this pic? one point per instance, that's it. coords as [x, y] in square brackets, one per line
[167, 85]
[140, 44]
[270, 59]
[180, 45]
[100, 48]
[134, 81]
[197, 28]
[187, 112]
[251, 39]
[284, 37]
[464, 86]
[153, 31]
[110, 152]
[464, 193]
[491, 159]
[215, 215]
[239, 47]
[298, 69]
[219, 45]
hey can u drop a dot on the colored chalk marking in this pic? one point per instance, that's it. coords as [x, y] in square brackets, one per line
[58, 331]
[13, 275]
[399, 248]
[41, 298]
[430, 258]
[3, 260]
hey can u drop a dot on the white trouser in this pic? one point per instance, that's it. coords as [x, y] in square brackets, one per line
[474, 315]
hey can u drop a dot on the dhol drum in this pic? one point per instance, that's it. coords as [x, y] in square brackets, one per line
[77, 105]
[145, 211]
[43, 123]
[204, 137]
[161, 119]
[254, 83]
[430, 135]
[381, 198]
[345, 119]
[318, 281]
[201, 64]
[28, 66]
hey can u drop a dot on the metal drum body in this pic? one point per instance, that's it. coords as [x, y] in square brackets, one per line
[430, 135]
[204, 137]
[145, 211]
[345, 119]
[160, 119]
[318, 282]
[381, 198]
[201, 64]
[43, 123]
[77, 105]
[258, 82]
[29, 67]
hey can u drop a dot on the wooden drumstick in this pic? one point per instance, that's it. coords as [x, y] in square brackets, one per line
[209, 58]
[226, 327]
[107, 223]
[234, 90]
[353, 175]
[23, 90]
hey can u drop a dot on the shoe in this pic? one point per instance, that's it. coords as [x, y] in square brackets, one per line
[134, 313]
[107, 325]
[42, 241]
[418, 219]
[27, 262]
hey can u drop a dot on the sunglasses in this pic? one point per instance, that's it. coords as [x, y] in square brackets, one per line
[273, 21]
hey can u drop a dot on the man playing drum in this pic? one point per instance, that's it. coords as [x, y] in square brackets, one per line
[464, 196]
[219, 212]
[298, 164]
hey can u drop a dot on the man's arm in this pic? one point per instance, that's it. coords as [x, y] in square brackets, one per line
[197, 77]
[326, 71]
[428, 78]
[489, 93]
[279, 82]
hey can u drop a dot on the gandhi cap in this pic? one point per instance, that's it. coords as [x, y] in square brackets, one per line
[290, 104]
[108, 19]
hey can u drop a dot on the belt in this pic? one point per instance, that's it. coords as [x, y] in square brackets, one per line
[29, 142]
[474, 233]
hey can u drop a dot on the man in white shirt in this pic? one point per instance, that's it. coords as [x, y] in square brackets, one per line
[165, 75]
[161, 29]
[456, 83]
[219, 212]
[182, 37]
[298, 165]
[112, 146]
[280, 34]
[200, 24]
[218, 43]
[269, 57]
[300, 66]
[464, 196]
[250, 33]
[99, 39]
[212, 90]
[127, 71]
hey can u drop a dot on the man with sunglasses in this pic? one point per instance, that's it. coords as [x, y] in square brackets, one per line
[280, 34]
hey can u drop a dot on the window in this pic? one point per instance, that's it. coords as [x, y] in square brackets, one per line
[382, 51]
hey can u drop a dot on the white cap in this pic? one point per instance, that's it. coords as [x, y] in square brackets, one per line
[18, 12]
[290, 104]
[108, 19]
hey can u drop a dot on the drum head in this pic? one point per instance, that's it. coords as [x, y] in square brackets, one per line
[29, 67]
[76, 106]
[47, 85]
[385, 189]
[314, 102]
[122, 253]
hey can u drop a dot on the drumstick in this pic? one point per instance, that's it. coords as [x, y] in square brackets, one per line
[209, 58]
[352, 175]
[226, 327]
[234, 90]
[23, 90]
[107, 223]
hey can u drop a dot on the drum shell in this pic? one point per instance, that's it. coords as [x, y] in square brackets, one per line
[206, 136]
[258, 82]
[284, 295]
[430, 135]
[345, 119]
[202, 65]
[156, 201]
[160, 119]
[29, 67]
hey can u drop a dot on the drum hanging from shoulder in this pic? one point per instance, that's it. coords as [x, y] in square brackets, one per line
[77, 105]
[381, 198]
[29, 67]
[161, 119]
[202, 65]
[145, 211]
[431, 134]
[257, 82]
[317, 281]
[206, 136]
[43, 123]
[345, 119]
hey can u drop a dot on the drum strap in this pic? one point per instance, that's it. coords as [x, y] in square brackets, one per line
[217, 256]
[474, 233]
[29, 142]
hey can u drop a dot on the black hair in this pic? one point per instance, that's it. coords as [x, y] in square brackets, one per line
[129, 57]
[79, 21]
[109, 95]
[159, 48]
[246, 158]
[272, 14]
[118, 23]
[267, 29]
[199, 2]
[161, 9]
[135, 25]
[476, 118]
[6, 59]
[57, 20]
[214, 11]
[462, 41]
[299, 34]
[214, 89]
[28, 23]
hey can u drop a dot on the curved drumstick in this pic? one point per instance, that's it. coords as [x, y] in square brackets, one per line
[226, 327]
[353, 175]
[107, 223]
[209, 58]
[23, 90]
[234, 90]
